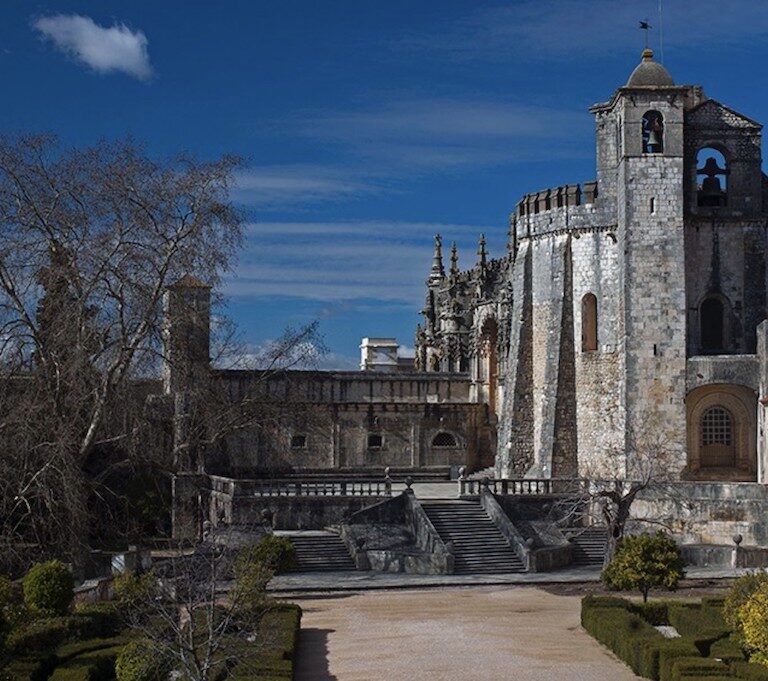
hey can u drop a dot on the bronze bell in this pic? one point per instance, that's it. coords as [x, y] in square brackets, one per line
[653, 139]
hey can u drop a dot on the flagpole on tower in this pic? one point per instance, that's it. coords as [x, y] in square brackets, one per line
[661, 32]
[645, 26]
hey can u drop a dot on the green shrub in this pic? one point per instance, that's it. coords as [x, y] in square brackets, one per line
[93, 665]
[70, 650]
[134, 590]
[278, 554]
[697, 667]
[49, 633]
[749, 671]
[644, 562]
[727, 649]
[105, 617]
[753, 616]
[739, 594]
[29, 668]
[138, 662]
[653, 612]
[48, 588]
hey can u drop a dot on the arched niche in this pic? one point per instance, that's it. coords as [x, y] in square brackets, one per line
[589, 323]
[714, 312]
[653, 132]
[488, 362]
[721, 432]
[444, 439]
[711, 178]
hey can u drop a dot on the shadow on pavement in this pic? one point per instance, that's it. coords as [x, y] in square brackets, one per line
[312, 658]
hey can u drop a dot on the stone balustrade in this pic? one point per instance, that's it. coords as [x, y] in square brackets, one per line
[302, 488]
[520, 486]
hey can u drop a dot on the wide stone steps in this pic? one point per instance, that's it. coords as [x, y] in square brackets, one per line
[588, 545]
[478, 545]
[321, 552]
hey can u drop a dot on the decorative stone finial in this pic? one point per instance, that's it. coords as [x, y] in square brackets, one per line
[481, 252]
[454, 260]
[647, 54]
[737, 539]
[437, 272]
[408, 482]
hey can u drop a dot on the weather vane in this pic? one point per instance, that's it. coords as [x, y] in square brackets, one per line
[645, 26]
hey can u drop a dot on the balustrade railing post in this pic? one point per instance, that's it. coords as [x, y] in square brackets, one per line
[387, 483]
[462, 481]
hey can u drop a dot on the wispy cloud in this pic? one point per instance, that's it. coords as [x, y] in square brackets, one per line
[346, 263]
[425, 134]
[290, 184]
[104, 49]
[573, 28]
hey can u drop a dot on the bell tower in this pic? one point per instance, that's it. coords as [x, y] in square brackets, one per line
[647, 155]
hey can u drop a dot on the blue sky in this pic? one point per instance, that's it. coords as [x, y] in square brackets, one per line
[368, 126]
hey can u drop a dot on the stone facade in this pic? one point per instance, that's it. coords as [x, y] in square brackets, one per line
[625, 304]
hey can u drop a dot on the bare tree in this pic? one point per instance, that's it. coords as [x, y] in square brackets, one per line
[608, 489]
[89, 241]
[192, 623]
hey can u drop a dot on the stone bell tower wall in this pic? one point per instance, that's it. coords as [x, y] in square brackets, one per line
[650, 235]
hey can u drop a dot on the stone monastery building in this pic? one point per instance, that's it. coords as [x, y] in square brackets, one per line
[630, 303]
[623, 307]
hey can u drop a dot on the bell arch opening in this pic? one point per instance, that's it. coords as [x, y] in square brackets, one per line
[711, 178]
[653, 132]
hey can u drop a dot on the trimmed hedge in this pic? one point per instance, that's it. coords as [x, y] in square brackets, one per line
[51, 632]
[94, 665]
[280, 627]
[29, 668]
[706, 651]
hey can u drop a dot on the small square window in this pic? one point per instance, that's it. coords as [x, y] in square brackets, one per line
[375, 441]
[298, 442]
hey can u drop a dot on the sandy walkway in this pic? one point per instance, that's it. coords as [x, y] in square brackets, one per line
[517, 633]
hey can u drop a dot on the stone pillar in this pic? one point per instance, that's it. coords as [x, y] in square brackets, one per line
[187, 512]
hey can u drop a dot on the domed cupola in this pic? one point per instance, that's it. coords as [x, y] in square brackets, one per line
[649, 73]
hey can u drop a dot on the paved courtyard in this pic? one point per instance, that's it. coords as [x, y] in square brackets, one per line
[521, 633]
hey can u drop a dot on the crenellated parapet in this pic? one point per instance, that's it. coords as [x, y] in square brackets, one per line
[558, 197]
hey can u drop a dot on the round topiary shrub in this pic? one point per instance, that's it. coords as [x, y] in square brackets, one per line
[753, 617]
[277, 554]
[48, 588]
[644, 562]
[138, 662]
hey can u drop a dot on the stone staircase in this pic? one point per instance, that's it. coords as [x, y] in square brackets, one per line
[588, 544]
[318, 551]
[478, 545]
[483, 473]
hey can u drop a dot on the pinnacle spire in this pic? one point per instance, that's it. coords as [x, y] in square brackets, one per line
[481, 252]
[454, 260]
[437, 272]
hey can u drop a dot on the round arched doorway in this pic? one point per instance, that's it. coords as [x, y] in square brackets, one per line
[722, 439]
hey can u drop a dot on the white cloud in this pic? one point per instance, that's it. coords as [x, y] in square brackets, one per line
[105, 50]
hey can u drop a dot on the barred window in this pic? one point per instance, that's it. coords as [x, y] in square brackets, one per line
[444, 440]
[716, 427]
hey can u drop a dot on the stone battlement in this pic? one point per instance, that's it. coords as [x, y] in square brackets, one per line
[558, 197]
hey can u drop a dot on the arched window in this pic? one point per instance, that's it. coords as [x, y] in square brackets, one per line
[589, 323]
[712, 178]
[711, 315]
[717, 438]
[444, 440]
[653, 132]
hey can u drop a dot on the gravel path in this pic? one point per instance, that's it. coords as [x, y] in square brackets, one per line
[520, 633]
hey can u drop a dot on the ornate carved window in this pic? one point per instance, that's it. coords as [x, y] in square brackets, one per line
[589, 323]
[444, 440]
